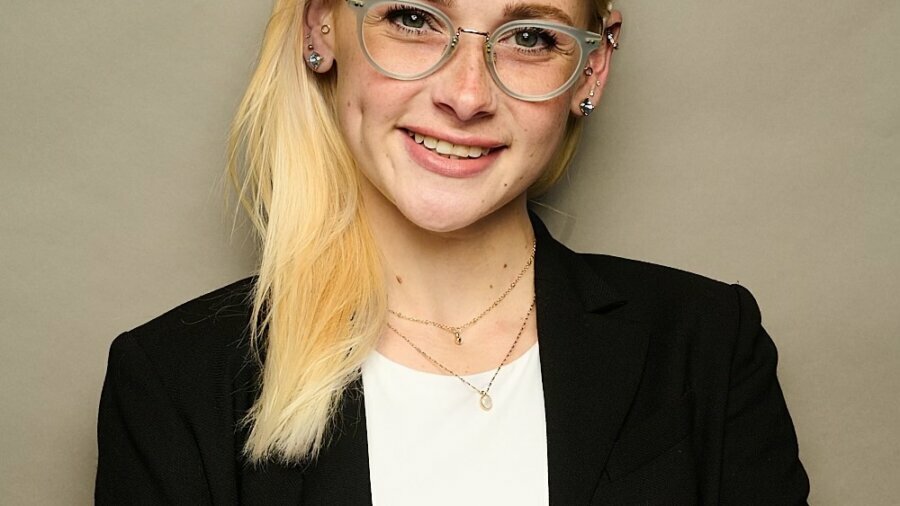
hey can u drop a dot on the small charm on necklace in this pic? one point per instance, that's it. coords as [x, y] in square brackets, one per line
[457, 337]
[485, 401]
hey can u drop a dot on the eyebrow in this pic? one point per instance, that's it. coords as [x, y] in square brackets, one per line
[534, 11]
[524, 11]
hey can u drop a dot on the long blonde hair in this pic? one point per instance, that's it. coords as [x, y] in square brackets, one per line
[319, 302]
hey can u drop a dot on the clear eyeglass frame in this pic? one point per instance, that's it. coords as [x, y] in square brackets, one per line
[588, 42]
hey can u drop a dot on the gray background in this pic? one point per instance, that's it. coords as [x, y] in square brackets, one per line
[749, 141]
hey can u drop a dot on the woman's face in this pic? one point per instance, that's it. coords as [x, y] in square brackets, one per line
[392, 126]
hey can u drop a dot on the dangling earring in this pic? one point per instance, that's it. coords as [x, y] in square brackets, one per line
[314, 60]
[587, 105]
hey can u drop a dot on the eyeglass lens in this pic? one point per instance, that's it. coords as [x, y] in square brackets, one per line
[407, 41]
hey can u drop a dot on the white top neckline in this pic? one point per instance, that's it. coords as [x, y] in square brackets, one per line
[430, 442]
[402, 369]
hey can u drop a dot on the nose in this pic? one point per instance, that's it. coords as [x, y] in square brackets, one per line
[463, 87]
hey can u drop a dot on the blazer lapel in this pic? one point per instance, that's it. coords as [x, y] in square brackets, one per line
[591, 364]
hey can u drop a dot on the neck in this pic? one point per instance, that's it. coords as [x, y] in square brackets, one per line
[450, 277]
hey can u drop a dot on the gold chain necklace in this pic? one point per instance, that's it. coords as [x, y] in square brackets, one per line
[484, 400]
[456, 330]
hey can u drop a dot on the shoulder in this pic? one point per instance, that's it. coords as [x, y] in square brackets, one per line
[200, 320]
[640, 277]
[661, 290]
[691, 313]
[194, 344]
[174, 391]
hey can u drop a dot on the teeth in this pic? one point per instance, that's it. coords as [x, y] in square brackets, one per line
[448, 149]
[443, 147]
[461, 151]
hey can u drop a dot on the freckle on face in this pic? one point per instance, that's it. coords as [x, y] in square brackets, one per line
[399, 280]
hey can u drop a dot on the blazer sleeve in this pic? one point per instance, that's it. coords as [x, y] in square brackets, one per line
[760, 462]
[147, 452]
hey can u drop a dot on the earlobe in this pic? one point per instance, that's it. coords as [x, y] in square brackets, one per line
[318, 39]
[589, 92]
[587, 105]
[315, 60]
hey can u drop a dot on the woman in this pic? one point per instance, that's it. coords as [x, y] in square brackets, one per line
[414, 336]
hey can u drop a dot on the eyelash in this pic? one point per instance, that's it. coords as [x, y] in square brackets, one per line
[396, 11]
[548, 38]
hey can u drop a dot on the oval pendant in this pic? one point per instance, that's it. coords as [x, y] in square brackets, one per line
[486, 402]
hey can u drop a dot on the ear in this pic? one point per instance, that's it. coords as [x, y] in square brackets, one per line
[599, 62]
[318, 26]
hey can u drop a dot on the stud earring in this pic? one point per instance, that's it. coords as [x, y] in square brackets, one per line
[314, 60]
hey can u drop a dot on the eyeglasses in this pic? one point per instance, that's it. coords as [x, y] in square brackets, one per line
[531, 60]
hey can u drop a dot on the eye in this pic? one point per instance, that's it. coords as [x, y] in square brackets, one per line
[412, 19]
[526, 38]
[409, 18]
[533, 39]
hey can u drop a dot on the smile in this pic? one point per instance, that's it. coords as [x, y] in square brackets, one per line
[448, 149]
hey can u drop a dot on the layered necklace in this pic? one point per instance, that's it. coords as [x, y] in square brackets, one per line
[456, 330]
[484, 398]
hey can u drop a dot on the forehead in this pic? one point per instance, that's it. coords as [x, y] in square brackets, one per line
[570, 12]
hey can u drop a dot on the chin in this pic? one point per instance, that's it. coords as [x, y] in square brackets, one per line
[441, 207]
[441, 216]
[438, 221]
[445, 215]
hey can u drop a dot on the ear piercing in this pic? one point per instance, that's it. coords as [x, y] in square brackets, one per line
[612, 40]
[314, 60]
[587, 105]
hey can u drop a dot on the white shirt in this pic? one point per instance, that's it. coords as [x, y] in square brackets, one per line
[431, 443]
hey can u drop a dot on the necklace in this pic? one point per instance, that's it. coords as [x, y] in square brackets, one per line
[484, 399]
[456, 330]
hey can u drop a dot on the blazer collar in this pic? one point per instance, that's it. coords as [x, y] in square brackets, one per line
[591, 363]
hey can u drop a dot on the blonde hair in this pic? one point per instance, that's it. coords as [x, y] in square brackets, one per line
[319, 302]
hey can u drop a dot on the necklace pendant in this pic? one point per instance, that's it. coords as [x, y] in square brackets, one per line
[485, 401]
[457, 337]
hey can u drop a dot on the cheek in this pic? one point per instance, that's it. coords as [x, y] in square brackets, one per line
[544, 132]
[358, 113]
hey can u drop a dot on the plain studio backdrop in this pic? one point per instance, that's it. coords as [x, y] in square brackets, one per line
[753, 142]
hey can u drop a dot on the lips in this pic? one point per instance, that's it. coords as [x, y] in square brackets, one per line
[463, 157]
[447, 148]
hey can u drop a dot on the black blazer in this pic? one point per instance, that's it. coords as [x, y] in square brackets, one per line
[659, 388]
